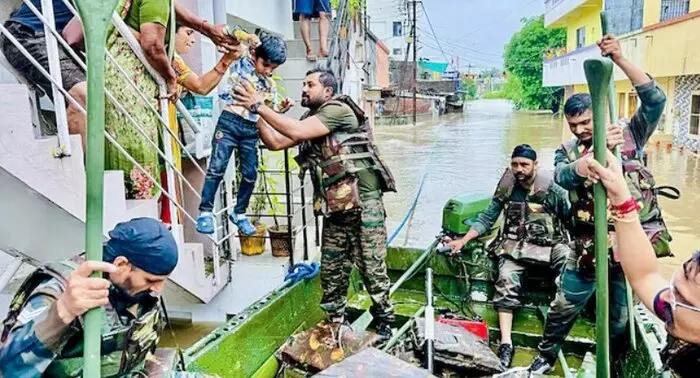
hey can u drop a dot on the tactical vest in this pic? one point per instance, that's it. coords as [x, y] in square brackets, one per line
[124, 346]
[641, 183]
[333, 161]
[530, 230]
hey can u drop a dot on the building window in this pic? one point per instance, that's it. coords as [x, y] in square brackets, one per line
[625, 15]
[673, 8]
[398, 29]
[580, 37]
[397, 52]
[694, 128]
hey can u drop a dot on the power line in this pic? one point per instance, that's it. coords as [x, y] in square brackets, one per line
[455, 53]
[433, 30]
[447, 41]
[492, 24]
[487, 63]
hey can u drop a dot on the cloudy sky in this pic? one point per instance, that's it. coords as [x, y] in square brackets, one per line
[474, 30]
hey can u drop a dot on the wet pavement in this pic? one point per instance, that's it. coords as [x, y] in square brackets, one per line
[466, 154]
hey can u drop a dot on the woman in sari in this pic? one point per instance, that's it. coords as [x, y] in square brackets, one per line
[152, 23]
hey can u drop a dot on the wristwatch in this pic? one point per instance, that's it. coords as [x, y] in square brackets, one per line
[254, 108]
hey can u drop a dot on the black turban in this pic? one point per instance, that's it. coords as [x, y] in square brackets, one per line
[524, 151]
[146, 243]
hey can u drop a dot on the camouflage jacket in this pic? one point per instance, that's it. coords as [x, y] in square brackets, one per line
[557, 199]
[642, 126]
[39, 337]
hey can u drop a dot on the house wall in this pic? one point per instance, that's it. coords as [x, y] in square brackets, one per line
[381, 67]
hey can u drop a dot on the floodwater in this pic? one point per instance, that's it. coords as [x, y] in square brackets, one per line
[466, 153]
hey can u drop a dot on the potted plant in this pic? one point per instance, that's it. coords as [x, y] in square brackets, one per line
[255, 244]
[281, 243]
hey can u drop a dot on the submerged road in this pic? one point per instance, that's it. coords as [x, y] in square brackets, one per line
[466, 154]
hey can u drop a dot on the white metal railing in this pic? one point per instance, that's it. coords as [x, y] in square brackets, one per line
[60, 95]
[64, 147]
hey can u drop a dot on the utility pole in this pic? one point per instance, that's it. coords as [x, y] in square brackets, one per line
[415, 64]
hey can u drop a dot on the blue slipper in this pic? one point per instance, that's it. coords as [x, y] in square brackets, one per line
[205, 223]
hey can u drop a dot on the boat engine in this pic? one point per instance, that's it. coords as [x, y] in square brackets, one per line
[461, 211]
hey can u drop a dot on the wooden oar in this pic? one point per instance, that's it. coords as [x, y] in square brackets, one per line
[612, 110]
[598, 75]
[95, 16]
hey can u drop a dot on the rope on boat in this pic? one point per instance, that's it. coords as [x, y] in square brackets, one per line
[410, 212]
[306, 271]
[302, 271]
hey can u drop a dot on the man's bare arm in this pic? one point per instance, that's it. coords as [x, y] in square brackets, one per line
[610, 47]
[297, 131]
[152, 39]
[214, 32]
[272, 139]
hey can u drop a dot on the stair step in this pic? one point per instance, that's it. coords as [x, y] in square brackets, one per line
[313, 29]
[293, 88]
[114, 200]
[297, 67]
[142, 208]
[297, 49]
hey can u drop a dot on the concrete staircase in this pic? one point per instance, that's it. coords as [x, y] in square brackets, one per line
[43, 201]
[294, 70]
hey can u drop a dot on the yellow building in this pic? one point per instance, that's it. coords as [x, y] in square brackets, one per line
[660, 36]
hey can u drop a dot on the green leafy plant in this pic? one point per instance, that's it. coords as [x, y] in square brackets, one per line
[523, 62]
[353, 5]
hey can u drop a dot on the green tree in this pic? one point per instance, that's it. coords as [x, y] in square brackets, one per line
[353, 5]
[469, 88]
[523, 62]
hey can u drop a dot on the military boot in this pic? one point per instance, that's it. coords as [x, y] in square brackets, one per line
[384, 331]
[505, 355]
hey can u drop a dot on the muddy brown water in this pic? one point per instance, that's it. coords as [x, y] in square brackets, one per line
[466, 153]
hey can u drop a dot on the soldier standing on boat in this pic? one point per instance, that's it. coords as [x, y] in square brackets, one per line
[577, 282]
[349, 180]
[675, 302]
[43, 335]
[535, 209]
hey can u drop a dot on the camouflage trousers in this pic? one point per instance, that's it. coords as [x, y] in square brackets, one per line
[357, 239]
[510, 271]
[576, 286]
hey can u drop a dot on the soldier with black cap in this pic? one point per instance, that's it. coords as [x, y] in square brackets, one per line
[43, 335]
[535, 210]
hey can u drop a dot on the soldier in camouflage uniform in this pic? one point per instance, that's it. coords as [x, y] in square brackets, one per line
[535, 212]
[577, 282]
[349, 180]
[42, 334]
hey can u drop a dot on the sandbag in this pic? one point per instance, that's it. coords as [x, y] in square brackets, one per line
[318, 348]
[459, 350]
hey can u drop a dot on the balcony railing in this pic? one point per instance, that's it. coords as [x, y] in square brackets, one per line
[554, 10]
[220, 248]
[567, 69]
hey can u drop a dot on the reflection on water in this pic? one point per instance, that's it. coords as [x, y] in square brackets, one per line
[465, 154]
[185, 335]
[682, 170]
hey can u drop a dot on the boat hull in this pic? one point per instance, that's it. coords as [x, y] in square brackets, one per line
[245, 346]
